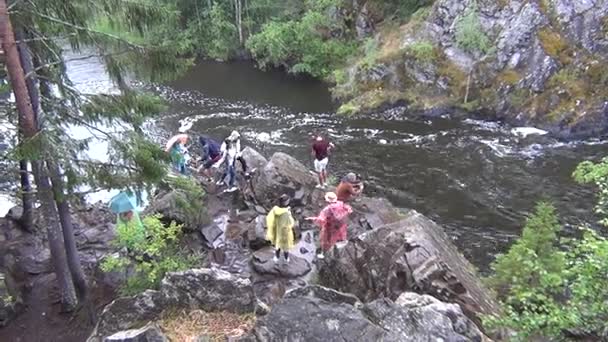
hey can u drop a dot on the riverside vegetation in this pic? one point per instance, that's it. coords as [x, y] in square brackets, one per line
[539, 62]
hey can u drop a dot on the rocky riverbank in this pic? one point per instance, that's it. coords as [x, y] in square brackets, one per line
[539, 63]
[398, 277]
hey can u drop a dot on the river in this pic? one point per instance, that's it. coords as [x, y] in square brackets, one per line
[478, 179]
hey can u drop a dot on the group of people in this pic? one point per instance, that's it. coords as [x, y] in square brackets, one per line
[214, 156]
[333, 218]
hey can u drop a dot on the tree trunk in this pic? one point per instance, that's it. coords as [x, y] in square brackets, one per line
[239, 20]
[27, 198]
[69, 301]
[63, 207]
[65, 218]
[27, 127]
[27, 220]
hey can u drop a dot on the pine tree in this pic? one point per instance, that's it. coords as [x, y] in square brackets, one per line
[59, 163]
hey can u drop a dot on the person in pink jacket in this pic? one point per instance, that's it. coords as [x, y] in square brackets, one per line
[333, 220]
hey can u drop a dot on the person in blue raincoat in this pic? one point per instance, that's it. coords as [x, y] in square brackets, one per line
[129, 227]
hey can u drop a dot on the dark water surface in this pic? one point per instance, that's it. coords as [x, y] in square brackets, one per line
[476, 178]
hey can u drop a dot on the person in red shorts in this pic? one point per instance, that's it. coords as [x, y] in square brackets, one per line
[320, 150]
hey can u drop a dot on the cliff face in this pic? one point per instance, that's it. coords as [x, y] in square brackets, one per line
[532, 62]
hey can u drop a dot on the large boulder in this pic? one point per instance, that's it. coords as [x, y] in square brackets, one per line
[197, 289]
[253, 158]
[172, 206]
[413, 254]
[209, 290]
[414, 317]
[284, 174]
[316, 313]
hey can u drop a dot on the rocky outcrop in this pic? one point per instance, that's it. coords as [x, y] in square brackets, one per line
[197, 289]
[319, 314]
[541, 64]
[413, 254]
[173, 206]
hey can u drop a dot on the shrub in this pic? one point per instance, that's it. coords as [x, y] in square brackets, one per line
[546, 292]
[469, 33]
[150, 256]
[304, 45]
[423, 51]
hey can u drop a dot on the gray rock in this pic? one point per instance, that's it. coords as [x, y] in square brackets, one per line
[283, 174]
[518, 33]
[253, 158]
[263, 263]
[197, 289]
[309, 318]
[413, 254]
[127, 312]
[256, 233]
[422, 318]
[364, 24]
[209, 290]
[315, 313]
[149, 333]
[539, 69]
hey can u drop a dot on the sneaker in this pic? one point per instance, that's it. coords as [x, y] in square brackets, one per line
[233, 189]
[319, 186]
[320, 256]
[219, 182]
[325, 185]
[275, 259]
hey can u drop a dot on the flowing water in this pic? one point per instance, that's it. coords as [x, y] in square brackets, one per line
[478, 179]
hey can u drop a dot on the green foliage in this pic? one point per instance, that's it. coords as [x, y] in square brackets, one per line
[545, 291]
[589, 172]
[302, 46]
[189, 198]
[423, 51]
[151, 257]
[223, 40]
[520, 269]
[370, 53]
[469, 32]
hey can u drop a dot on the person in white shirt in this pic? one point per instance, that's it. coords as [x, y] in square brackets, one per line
[231, 152]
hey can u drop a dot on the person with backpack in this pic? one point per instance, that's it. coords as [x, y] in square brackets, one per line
[280, 223]
[333, 221]
[211, 154]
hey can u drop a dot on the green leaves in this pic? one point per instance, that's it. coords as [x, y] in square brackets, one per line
[304, 45]
[544, 290]
[469, 32]
[152, 255]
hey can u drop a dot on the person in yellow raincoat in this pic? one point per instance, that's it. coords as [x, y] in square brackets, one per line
[280, 225]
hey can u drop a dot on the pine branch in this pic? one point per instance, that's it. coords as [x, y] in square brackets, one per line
[83, 29]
